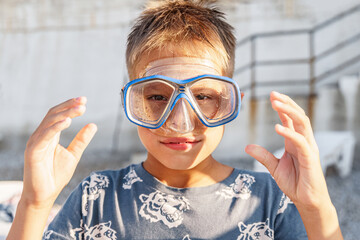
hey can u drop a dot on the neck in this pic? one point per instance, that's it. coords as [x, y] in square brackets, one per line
[206, 173]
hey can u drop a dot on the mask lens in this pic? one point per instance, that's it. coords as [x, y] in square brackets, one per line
[216, 99]
[147, 101]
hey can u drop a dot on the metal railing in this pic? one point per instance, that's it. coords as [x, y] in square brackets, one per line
[310, 61]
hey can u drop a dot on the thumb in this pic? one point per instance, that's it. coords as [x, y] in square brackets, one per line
[262, 155]
[82, 140]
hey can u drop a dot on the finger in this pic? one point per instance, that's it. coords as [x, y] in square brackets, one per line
[82, 140]
[300, 121]
[265, 157]
[41, 139]
[72, 112]
[303, 124]
[303, 149]
[286, 120]
[47, 122]
[286, 99]
[67, 104]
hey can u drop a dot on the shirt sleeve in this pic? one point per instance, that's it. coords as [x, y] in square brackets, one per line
[67, 224]
[288, 223]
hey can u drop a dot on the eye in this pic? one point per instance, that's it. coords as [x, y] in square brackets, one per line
[157, 98]
[202, 96]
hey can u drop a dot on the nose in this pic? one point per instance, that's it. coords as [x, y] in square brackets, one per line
[182, 117]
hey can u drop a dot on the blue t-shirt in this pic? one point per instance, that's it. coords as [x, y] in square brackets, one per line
[132, 204]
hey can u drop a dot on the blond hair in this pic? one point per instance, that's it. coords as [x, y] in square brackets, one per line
[185, 24]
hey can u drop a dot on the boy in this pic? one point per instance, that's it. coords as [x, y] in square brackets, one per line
[181, 54]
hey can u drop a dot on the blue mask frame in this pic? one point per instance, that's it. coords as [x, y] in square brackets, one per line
[181, 91]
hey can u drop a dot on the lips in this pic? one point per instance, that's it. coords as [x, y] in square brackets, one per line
[180, 143]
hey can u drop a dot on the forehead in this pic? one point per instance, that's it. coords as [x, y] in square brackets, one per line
[178, 63]
[181, 67]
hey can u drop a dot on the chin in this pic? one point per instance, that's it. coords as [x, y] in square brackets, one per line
[180, 162]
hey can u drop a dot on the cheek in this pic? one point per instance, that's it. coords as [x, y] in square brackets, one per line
[147, 138]
[214, 136]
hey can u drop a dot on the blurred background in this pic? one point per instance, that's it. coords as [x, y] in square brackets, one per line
[53, 50]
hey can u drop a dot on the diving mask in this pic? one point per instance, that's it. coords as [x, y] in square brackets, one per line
[149, 101]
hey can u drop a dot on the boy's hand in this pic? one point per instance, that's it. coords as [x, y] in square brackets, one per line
[298, 172]
[48, 165]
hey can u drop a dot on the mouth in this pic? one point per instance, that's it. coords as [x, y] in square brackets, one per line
[180, 143]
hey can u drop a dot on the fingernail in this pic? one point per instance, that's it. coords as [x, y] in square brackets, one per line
[93, 127]
[66, 119]
[80, 107]
[81, 99]
[280, 127]
[276, 93]
[278, 103]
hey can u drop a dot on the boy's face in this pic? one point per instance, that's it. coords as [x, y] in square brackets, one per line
[166, 146]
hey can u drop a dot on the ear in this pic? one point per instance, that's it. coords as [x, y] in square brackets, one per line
[143, 197]
[108, 224]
